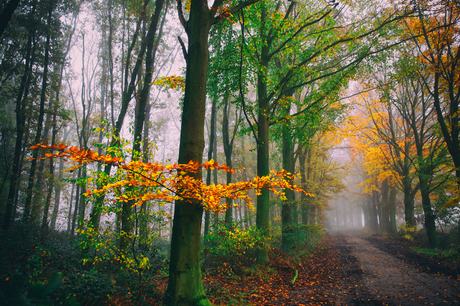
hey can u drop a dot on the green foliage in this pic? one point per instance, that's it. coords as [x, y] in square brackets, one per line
[407, 232]
[27, 276]
[438, 252]
[233, 246]
[303, 238]
[37, 295]
[87, 286]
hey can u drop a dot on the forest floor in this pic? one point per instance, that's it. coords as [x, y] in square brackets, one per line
[348, 267]
[351, 268]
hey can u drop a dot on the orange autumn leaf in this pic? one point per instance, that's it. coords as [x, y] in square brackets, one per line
[171, 182]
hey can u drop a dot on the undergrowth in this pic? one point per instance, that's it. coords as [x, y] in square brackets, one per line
[229, 258]
[54, 269]
[447, 243]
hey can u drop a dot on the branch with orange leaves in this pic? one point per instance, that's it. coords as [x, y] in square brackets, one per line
[156, 181]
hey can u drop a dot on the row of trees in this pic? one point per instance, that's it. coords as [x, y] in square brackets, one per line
[275, 70]
[405, 129]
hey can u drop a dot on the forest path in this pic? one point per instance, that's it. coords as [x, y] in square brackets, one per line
[347, 268]
[381, 271]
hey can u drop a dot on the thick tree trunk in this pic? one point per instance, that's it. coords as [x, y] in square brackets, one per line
[408, 201]
[430, 219]
[185, 286]
[451, 136]
[263, 168]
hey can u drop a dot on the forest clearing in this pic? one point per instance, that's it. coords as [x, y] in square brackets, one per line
[245, 152]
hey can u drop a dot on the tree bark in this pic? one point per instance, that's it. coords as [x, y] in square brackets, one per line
[20, 129]
[127, 94]
[185, 286]
[228, 149]
[385, 222]
[27, 205]
[287, 240]
[392, 204]
[6, 15]
[373, 210]
[263, 168]
[51, 180]
[286, 209]
[127, 222]
[212, 140]
[303, 182]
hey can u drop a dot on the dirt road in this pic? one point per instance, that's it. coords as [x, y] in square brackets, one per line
[381, 272]
[349, 268]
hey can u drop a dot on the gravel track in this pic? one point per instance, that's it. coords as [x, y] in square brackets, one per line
[384, 272]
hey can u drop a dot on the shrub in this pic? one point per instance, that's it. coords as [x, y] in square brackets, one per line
[407, 232]
[88, 287]
[231, 245]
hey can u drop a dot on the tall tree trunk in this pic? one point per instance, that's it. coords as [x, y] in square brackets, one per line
[69, 217]
[127, 94]
[57, 195]
[144, 212]
[44, 226]
[263, 168]
[286, 208]
[212, 140]
[57, 91]
[38, 195]
[185, 286]
[77, 204]
[110, 60]
[430, 219]
[228, 149]
[82, 202]
[126, 220]
[20, 128]
[247, 217]
[303, 181]
[30, 188]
